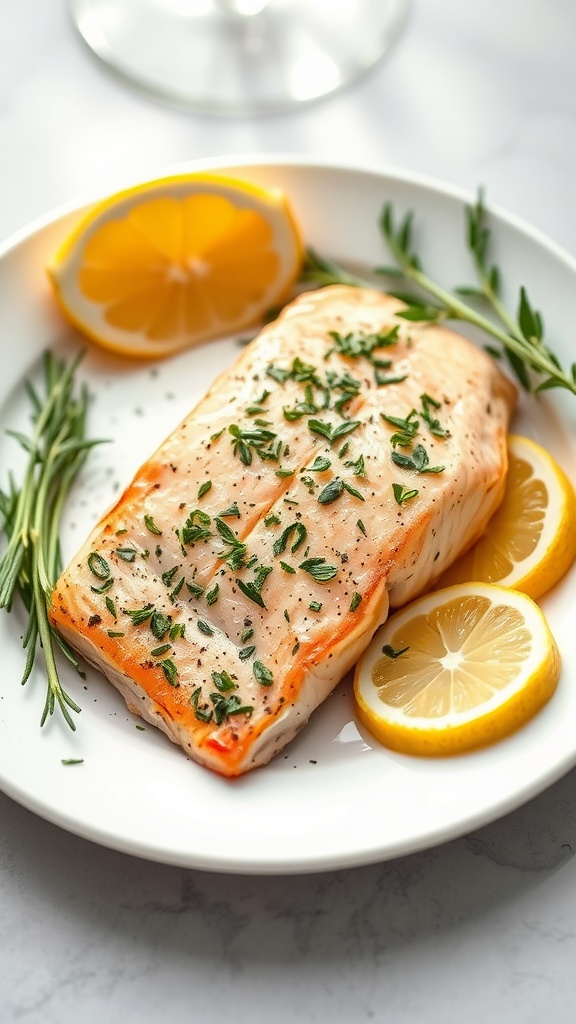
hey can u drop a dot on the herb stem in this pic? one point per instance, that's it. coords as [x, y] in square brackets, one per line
[32, 513]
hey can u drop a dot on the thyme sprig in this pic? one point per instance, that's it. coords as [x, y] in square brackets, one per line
[31, 513]
[520, 336]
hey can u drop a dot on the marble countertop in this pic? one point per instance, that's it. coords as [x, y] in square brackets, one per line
[481, 928]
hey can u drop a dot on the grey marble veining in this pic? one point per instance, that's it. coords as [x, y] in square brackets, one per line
[480, 929]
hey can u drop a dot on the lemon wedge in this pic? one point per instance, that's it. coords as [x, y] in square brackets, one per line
[457, 669]
[530, 542]
[174, 262]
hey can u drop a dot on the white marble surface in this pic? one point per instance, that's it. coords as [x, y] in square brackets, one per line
[482, 928]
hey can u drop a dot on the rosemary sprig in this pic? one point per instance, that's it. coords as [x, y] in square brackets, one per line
[521, 337]
[31, 514]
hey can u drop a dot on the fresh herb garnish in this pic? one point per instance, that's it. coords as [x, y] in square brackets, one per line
[151, 525]
[126, 554]
[320, 464]
[418, 460]
[521, 337]
[225, 706]
[262, 674]
[403, 494]
[390, 652]
[170, 671]
[31, 514]
[356, 601]
[252, 589]
[223, 681]
[158, 651]
[319, 569]
[140, 615]
[330, 432]
[205, 628]
[233, 511]
[243, 441]
[98, 565]
[300, 533]
[204, 488]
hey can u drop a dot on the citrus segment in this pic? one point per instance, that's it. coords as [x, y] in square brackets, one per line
[174, 262]
[459, 668]
[530, 542]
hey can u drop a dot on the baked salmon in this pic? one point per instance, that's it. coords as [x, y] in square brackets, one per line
[334, 471]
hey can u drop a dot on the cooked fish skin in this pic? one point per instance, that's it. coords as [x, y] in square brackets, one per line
[246, 567]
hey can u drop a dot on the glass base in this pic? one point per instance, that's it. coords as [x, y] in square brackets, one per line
[239, 56]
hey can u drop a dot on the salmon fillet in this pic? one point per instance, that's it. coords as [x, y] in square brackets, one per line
[334, 471]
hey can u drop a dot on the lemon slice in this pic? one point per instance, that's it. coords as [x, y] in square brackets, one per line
[530, 542]
[477, 662]
[174, 262]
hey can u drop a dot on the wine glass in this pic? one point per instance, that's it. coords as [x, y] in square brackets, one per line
[239, 56]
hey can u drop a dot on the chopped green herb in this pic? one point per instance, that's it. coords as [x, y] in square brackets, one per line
[252, 589]
[287, 568]
[151, 525]
[212, 594]
[262, 674]
[296, 648]
[214, 437]
[428, 405]
[320, 464]
[419, 460]
[356, 345]
[319, 569]
[357, 467]
[160, 624]
[105, 586]
[315, 606]
[113, 633]
[111, 607]
[243, 441]
[391, 653]
[205, 628]
[352, 490]
[126, 554]
[407, 428]
[331, 492]
[246, 652]
[225, 706]
[223, 681]
[169, 575]
[72, 760]
[204, 488]
[178, 631]
[195, 589]
[330, 432]
[232, 511]
[246, 634]
[356, 601]
[299, 531]
[403, 494]
[272, 520]
[195, 529]
[170, 671]
[158, 651]
[98, 566]
[174, 593]
[285, 473]
[140, 615]
[361, 527]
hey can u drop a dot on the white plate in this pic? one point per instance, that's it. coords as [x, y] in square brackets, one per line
[333, 798]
